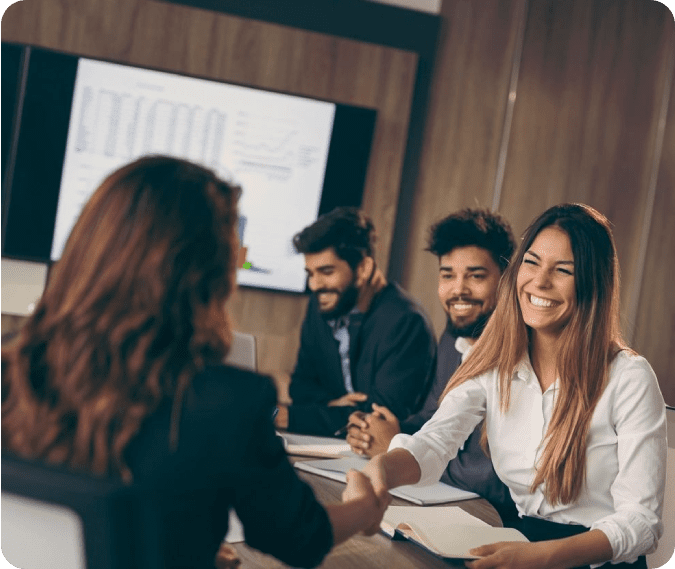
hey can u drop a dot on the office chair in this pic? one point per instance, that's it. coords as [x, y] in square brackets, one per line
[99, 523]
[242, 351]
[666, 547]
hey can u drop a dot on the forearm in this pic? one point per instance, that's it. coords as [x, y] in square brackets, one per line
[580, 550]
[584, 549]
[401, 468]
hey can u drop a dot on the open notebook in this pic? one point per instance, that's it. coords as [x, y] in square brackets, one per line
[337, 469]
[447, 531]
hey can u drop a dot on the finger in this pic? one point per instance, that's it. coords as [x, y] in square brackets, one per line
[384, 412]
[357, 396]
[358, 419]
[358, 439]
[353, 443]
[381, 491]
[484, 550]
[383, 498]
[356, 416]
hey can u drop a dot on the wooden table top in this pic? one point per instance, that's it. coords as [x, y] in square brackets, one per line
[362, 552]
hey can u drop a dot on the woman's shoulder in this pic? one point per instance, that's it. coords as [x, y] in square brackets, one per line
[220, 380]
[630, 372]
[627, 362]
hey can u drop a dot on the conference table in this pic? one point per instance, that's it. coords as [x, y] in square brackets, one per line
[377, 551]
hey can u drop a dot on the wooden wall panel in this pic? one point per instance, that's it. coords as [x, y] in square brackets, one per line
[464, 128]
[591, 79]
[586, 114]
[194, 41]
[655, 326]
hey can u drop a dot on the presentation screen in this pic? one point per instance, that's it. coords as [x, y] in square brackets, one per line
[293, 156]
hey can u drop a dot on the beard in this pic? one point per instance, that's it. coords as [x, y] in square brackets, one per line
[472, 330]
[346, 300]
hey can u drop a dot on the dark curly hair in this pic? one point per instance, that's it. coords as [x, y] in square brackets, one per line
[346, 229]
[132, 311]
[477, 227]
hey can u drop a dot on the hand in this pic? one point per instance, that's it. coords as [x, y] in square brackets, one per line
[377, 474]
[281, 419]
[373, 283]
[227, 557]
[359, 488]
[348, 400]
[382, 427]
[356, 436]
[510, 554]
[371, 434]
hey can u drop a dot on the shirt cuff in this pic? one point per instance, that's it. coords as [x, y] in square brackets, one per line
[629, 535]
[431, 466]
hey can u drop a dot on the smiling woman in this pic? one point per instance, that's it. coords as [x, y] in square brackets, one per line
[546, 282]
[574, 418]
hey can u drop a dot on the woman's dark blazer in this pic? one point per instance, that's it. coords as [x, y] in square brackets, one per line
[227, 455]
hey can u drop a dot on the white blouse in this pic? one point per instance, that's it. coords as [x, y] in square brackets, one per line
[625, 454]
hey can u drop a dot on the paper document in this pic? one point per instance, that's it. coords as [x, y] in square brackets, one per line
[447, 531]
[337, 469]
[320, 447]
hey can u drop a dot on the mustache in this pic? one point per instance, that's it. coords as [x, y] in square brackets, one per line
[467, 300]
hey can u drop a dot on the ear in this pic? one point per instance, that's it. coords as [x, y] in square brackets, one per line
[365, 271]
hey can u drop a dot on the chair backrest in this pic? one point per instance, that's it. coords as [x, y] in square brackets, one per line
[36, 534]
[666, 547]
[100, 524]
[242, 351]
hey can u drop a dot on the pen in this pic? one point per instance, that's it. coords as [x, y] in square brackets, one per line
[341, 431]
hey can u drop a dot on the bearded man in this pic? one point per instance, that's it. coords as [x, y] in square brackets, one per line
[363, 341]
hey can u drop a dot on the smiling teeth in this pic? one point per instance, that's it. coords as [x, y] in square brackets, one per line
[462, 306]
[541, 302]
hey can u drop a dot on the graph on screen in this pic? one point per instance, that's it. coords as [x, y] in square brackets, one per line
[274, 145]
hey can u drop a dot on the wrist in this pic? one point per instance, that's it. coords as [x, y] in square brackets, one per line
[281, 417]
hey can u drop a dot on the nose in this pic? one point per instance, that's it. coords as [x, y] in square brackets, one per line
[314, 282]
[460, 287]
[542, 279]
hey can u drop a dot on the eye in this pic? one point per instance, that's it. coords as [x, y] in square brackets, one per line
[566, 271]
[478, 277]
[446, 276]
[529, 261]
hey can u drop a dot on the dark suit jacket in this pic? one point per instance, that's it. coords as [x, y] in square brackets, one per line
[227, 455]
[392, 353]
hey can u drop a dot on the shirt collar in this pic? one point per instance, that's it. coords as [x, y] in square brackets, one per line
[525, 372]
[343, 321]
[463, 346]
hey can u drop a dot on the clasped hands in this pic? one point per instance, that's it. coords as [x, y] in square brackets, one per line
[369, 434]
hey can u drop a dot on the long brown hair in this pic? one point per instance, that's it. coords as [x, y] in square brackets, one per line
[132, 311]
[588, 344]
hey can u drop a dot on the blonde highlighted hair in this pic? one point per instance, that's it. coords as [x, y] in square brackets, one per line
[588, 344]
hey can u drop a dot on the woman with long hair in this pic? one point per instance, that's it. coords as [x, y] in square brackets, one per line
[574, 419]
[118, 373]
